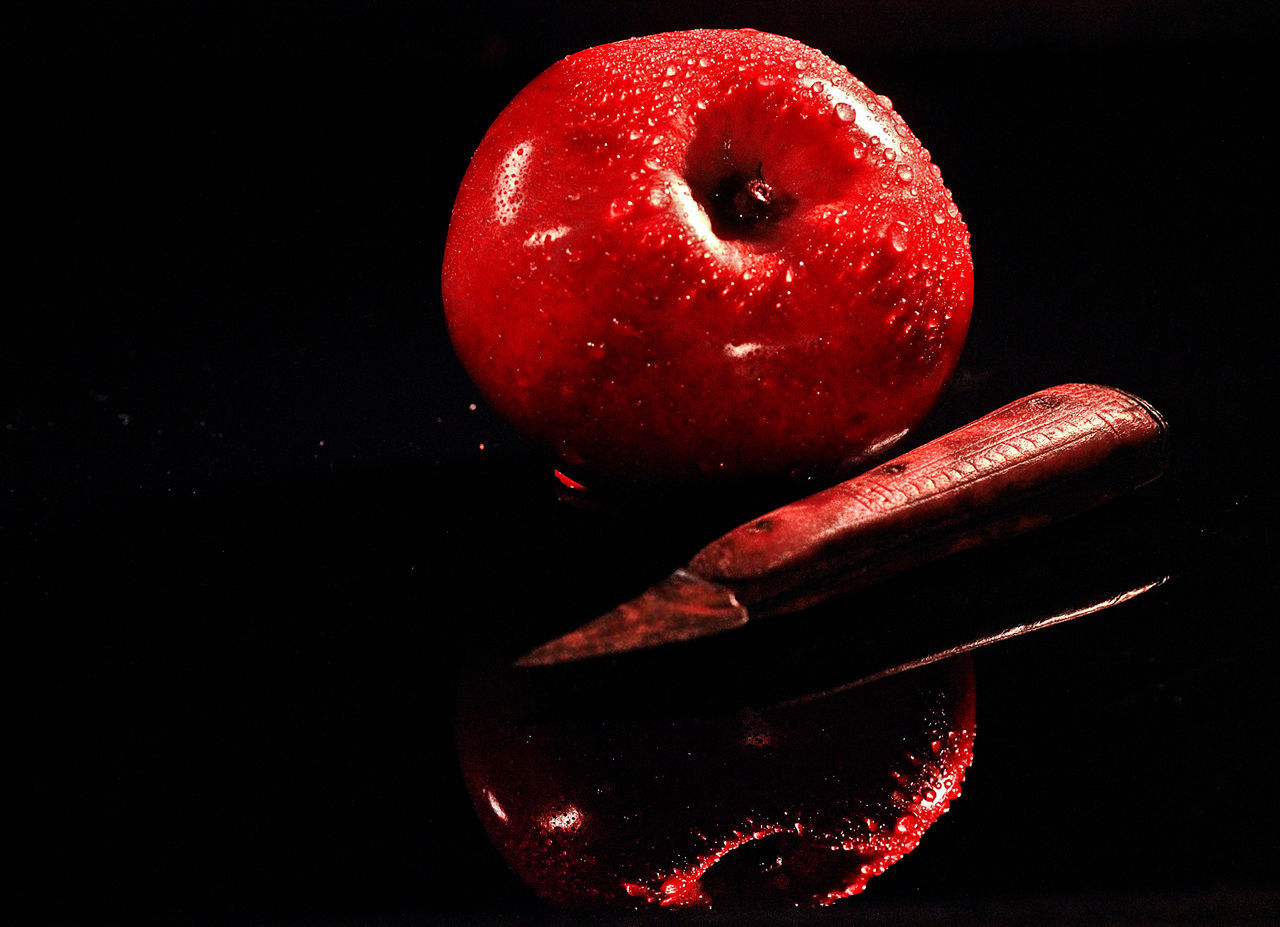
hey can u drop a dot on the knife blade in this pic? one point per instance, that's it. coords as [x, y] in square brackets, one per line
[1047, 456]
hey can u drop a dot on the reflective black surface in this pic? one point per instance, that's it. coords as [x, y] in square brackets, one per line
[254, 531]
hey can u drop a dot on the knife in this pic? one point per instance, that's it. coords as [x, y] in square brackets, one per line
[1041, 458]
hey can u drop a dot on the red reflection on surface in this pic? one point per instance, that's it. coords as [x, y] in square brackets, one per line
[802, 802]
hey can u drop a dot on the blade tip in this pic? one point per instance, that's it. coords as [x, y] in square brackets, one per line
[536, 657]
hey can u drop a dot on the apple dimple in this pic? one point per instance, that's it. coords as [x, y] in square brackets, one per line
[793, 136]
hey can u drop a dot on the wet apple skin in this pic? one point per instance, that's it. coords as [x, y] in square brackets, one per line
[604, 307]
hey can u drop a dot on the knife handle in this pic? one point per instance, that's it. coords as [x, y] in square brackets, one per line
[1044, 457]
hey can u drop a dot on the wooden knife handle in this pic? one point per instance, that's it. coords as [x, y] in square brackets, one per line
[1046, 456]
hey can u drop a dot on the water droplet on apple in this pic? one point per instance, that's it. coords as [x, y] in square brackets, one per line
[672, 70]
[845, 112]
[899, 236]
[704, 62]
[767, 80]
[904, 174]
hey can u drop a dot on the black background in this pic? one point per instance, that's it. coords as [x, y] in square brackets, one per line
[252, 524]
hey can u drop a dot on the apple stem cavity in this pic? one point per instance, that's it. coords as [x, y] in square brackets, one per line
[742, 204]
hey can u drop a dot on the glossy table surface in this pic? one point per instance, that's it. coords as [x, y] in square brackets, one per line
[257, 528]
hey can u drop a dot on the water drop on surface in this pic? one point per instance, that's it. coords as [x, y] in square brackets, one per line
[845, 112]
[899, 236]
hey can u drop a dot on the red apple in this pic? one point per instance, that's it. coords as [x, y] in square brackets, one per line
[705, 255]
[633, 803]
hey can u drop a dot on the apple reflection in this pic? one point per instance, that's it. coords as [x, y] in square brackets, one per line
[596, 797]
